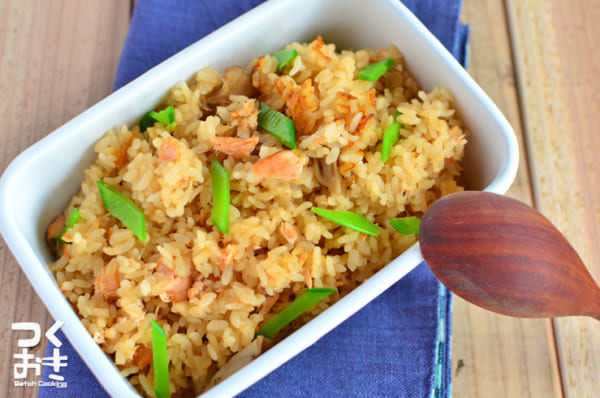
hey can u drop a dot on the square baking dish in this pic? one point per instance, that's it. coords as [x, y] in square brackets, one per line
[35, 187]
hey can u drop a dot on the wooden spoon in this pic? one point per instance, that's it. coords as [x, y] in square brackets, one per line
[506, 257]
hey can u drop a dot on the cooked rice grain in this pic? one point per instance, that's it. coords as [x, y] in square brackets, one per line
[210, 291]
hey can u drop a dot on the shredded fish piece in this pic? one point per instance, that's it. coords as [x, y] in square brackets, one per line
[235, 146]
[284, 165]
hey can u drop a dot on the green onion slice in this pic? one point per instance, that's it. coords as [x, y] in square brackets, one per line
[348, 219]
[124, 209]
[278, 125]
[390, 137]
[304, 302]
[375, 71]
[72, 220]
[285, 58]
[160, 359]
[221, 195]
[406, 225]
[146, 122]
[166, 117]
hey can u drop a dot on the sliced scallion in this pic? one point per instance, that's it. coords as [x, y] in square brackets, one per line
[221, 195]
[390, 137]
[278, 125]
[124, 209]
[166, 117]
[375, 71]
[146, 122]
[348, 219]
[304, 302]
[73, 218]
[160, 360]
[406, 225]
[285, 58]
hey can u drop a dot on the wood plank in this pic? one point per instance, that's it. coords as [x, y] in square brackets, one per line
[56, 59]
[495, 355]
[558, 62]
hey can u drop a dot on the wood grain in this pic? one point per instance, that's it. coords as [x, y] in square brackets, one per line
[495, 355]
[56, 59]
[558, 63]
[503, 255]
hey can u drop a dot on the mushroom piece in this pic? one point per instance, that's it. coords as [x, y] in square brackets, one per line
[393, 79]
[328, 175]
[236, 81]
[53, 232]
[238, 361]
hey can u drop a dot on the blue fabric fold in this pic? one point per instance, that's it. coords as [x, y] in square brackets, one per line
[396, 346]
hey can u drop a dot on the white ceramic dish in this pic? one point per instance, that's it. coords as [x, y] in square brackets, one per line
[32, 192]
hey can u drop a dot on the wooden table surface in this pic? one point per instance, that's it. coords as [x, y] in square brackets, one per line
[539, 60]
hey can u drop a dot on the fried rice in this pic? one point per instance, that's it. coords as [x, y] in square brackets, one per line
[211, 291]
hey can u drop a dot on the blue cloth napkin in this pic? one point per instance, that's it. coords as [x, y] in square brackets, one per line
[399, 344]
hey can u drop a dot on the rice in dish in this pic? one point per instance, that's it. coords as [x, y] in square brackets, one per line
[209, 290]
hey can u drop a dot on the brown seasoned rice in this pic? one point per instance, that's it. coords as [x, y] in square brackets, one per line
[276, 248]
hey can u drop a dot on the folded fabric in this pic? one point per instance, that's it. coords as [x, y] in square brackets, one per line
[396, 346]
